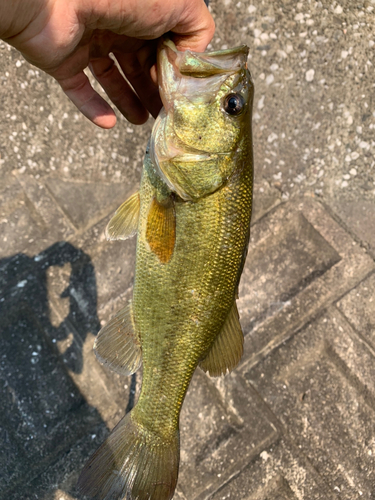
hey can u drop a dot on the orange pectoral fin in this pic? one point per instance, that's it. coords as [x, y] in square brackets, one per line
[161, 229]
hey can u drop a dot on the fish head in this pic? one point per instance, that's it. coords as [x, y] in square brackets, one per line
[205, 123]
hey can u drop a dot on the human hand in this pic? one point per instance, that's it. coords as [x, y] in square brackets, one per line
[63, 37]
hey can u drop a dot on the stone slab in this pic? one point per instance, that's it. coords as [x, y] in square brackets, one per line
[18, 229]
[223, 426]
[320, 385]
[358, 215]
[18, 223]
[279, 472]
[114, 270]
[58, 480]
[281, 264]
[85, 203]
[265, 197]
[43, 413]
[359, 308]
[52, 218]
[299, 261]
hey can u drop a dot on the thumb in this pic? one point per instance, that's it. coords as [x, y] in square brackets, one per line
[195, 29]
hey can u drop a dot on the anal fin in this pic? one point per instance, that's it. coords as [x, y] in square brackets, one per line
[117, 345]
[124, 224]
[161, 228]
[227, 349]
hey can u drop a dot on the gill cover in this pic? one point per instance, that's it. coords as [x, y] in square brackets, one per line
[207, 106]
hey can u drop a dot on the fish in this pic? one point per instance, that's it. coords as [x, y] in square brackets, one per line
[192, 217]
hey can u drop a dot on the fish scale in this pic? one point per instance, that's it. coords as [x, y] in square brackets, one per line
[192, 220]
[152, 304]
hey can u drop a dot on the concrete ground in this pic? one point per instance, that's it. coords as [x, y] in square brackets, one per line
[296, 419]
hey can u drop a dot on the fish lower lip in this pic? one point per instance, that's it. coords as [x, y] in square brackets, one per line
[198, 156]
[190, 157]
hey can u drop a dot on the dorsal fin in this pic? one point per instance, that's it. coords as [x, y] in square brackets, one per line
[227, 349]
[117, 345]
[124, 224]
[161, 228]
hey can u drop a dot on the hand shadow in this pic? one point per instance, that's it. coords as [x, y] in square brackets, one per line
[24, 284]
[42, 412]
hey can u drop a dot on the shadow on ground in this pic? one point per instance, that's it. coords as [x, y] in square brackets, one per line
[42, 331]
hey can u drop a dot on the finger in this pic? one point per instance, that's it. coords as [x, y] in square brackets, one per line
[148, 20]
[118, 90]
[147, 59]
[196, 28]
[139, 78]
[89, 102]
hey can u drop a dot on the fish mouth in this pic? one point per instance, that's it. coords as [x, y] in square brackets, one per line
[175, 68]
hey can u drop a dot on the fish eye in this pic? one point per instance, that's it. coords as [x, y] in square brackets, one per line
[234, 104]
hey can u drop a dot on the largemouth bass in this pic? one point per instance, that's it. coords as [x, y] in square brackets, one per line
[192, 219]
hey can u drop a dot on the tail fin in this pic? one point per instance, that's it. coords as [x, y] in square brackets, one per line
[132, 464]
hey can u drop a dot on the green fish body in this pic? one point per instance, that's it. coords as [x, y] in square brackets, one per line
[192, 218]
